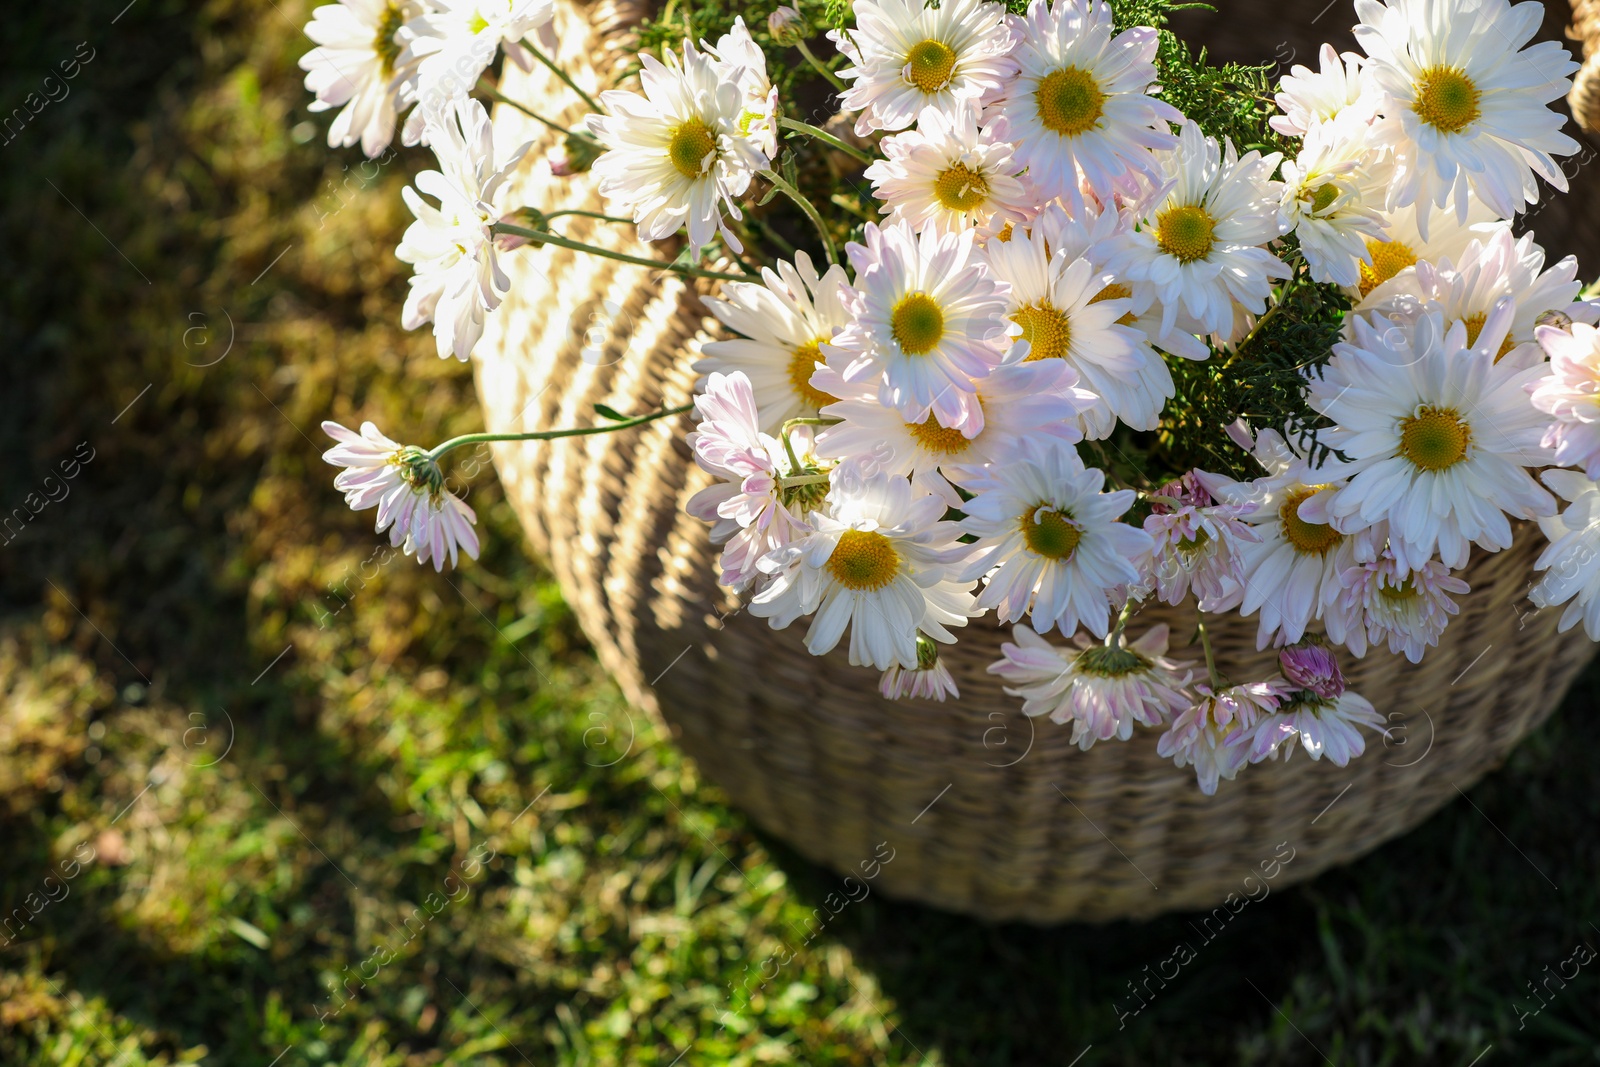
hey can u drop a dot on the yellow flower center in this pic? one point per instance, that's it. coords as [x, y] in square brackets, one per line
[383, 41]
[1323, 196]
[477, 23]
[1406, 590]
[1475, 323]
[864, 561]
[1049, 533]
[941, 440]
[1388, 259]
[961, 189]
[691, 148]
[1434, 438]
[802, 364]
[929, 65]
[1447, 99]
[1185, 233]
[1069, 101]
[1005, 233]
[1116, 291]
[1307, 538]
[1047, 331]
[916, 323]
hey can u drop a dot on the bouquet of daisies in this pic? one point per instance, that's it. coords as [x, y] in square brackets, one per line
[1037, 313]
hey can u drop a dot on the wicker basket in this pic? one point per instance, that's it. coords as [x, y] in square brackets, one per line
[988, 812]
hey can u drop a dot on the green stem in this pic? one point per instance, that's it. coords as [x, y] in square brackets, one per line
[594, 105]
[546, 435]
[587, 215]
[809, 208]
[1114, 638]
[826, 138]
[783, 434]
[495, 94]
[821, 67]
[546, 237]
[1211, 659]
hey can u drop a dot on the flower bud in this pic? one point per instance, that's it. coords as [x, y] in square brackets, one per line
[786, 25]
[1310, 665]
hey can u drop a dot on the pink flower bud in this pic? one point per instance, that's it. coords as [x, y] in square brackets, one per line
[1312, 666]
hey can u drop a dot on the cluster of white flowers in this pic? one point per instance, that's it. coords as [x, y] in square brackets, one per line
[898, 441]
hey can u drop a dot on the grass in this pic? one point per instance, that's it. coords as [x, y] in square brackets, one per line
[273, 797]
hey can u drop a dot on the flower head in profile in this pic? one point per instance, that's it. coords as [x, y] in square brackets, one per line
[783, 324]
[1570, 395]
[949, 174]
[744, 62]
[1309, 97]
[358, 65]
[1102, 689]
[928, 680]
[1049, 543]
[457, 280]
[1080, 107]
[748, 507]
[1321, 727]
[906, 55]
[1571, 562]
[1325, 202]
[680, 153]
[404, 483]
[878, 560]
[1198, 248]
[1438, 437]
[454, 41]
[1206, 734]
[1463, 102]
[926, 323]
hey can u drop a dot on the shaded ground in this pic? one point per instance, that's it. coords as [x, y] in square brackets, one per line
[247, 758]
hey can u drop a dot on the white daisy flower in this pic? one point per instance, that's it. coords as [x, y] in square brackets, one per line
[1391, 260]
[1464, 103]
[1080, 104]
[1571, 562]
[1197, 545]
[1492, 267]
[454, 42]
[1322, 727]
[926, 322]
[1049, 541]
[1198, 246]
[1101, 689]
[1439, 437]
[879, 561]
[906, 56]
[1290, 572]
[1406, 611]
[783, 325]
[357, 65]
[1067, 311]
[1017, 401]
[678, 154]
[457, 279]
[1570, 394]
[423, 519]
[1205, 733]
[1091, 234]
[749, 509]
[1309, 97]
[745, 63]
[1325, 202]
[949, 175]
[928, 680]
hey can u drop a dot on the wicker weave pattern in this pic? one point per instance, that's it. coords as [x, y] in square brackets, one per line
[988, 812]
